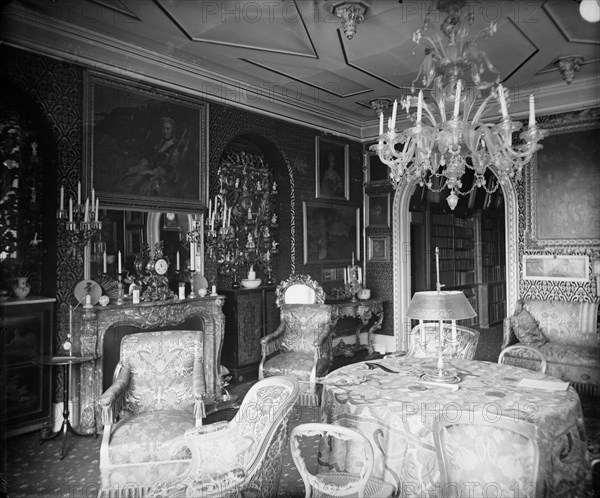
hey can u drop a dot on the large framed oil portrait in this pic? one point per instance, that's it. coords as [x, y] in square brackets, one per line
[146, 148]
[331, 232]
[563, 186]
[332, 169]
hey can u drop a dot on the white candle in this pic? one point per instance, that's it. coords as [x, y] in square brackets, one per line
[104, 262]
[502, 102]
[97, 207]
[119, 262]
[381, 123]
[345, 275]
[79, 193]
[352, 258]
[394, 111]
[62, 198]
[437, 265]
[70, 209]
[178, 267]
[457, 98]
[70, 321]
[93, 198]
[420, 107]
[531, 111]
[192, 256]
[229, 218]
[87, 210]
[209, 208]
[360, 276]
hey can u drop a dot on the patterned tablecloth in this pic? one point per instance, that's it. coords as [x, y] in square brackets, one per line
[396, 412]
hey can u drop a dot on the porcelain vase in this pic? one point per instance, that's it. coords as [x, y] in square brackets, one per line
[21, 288]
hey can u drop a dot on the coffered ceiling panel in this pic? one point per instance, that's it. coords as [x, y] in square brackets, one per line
[292, 59]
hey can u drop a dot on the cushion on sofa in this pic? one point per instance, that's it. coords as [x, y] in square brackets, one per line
[526, 329]
[570, 324]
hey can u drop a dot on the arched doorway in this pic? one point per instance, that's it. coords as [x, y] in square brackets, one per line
[401, 255]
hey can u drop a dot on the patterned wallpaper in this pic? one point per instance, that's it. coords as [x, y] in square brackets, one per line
[57, 88]
[556, 290]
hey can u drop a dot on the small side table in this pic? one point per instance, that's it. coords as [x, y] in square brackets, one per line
[66, 362]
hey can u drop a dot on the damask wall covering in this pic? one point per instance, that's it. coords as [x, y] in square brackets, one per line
[57, 89]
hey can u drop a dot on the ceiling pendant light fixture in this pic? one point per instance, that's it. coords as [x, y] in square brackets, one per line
[449, 135]
[590, 10]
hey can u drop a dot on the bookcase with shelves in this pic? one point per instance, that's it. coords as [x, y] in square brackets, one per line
[471, 259]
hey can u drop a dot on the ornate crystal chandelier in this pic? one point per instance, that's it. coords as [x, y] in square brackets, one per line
[448, 135]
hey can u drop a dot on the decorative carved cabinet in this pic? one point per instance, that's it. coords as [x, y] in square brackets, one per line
[249, 315]
[27, 330]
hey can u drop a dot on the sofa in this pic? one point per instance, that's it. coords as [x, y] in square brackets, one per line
[566, 333]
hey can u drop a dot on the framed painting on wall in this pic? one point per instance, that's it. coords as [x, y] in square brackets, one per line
[146, 148]
[331, 232]
[332, 169]
[376, 170]
[378, 249]
[562, 268]
[378, 210]
[563, 187]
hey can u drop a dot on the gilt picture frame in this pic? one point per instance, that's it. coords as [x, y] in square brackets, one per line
[145, 147]
[563, 185]
[331, 232]
[332, 161]
[378, 249]
[378, 210]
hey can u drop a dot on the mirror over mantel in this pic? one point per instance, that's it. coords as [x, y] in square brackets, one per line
[132, 231]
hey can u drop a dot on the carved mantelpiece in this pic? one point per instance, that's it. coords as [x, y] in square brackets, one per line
[95, 322]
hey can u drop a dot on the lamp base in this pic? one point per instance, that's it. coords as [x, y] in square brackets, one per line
[442, 376]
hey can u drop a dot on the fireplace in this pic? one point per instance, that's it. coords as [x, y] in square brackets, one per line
[101, 329]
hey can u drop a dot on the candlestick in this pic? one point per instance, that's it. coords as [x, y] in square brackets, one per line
[437, 268]
[104, 262]
[119, 263]
[62, 198]
[531, 111]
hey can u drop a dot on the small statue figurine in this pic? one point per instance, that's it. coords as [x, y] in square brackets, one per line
[274, 219]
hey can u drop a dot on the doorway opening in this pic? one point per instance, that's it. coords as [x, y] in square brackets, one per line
[476, 249]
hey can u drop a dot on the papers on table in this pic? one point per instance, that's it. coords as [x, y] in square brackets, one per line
[546, 384]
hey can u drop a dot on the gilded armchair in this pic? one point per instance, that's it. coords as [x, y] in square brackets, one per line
[242, 457]
[423, 341]
[300, 347]
[157, 394]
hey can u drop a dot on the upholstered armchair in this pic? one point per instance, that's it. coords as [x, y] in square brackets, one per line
[423, 341]
[300, 347]
[157, 395]
[242, 457]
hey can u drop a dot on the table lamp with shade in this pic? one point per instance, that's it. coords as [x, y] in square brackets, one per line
[440, 306]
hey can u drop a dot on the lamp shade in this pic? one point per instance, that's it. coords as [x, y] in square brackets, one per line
[442, 305]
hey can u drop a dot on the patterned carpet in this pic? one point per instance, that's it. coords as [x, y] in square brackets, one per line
[36, 471]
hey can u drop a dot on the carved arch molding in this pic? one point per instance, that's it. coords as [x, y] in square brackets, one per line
[401, 244]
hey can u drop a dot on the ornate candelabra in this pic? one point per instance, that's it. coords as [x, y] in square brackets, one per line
[240, 222]
[353, 280]
[79, 223]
